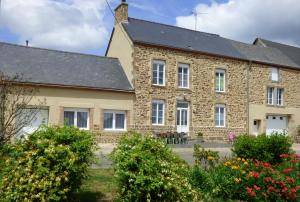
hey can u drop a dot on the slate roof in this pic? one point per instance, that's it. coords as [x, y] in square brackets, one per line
[51, 67]
[291, 51]
[153, 33]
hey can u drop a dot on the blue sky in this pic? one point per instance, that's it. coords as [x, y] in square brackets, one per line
[85, 25]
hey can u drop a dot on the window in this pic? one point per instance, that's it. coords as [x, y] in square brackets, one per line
[31, 120]
[220, 80]
[274, 74]
[279, 96]
[76, 117]
[183, 76]
[114, 120]
[158, 73]
[158, 108]
[220, 116]
[275, 93]
[270, 96]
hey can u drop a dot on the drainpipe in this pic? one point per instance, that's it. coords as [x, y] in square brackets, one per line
[248, 95]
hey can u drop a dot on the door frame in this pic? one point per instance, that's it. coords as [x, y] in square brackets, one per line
[187, 116]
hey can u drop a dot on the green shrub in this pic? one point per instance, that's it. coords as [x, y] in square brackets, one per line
[147, 170]
[263, 148]
[200, 179]
[49, 166]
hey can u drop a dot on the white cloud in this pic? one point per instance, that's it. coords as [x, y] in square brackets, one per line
[247, 19]
[76, 25]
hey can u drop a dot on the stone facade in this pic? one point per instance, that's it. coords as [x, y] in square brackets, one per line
[259, 81]
[121, 13]
[201, 95]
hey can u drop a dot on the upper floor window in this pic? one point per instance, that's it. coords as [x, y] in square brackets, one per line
[158, 73]
[183, 76]
[220, 80]
[220, 115]
[270, 96]
[114, 120]
[275, 93]
[275, 74]
[158, 110]
[76, 117]
[280, 96]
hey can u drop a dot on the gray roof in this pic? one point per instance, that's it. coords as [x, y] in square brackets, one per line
[292, 52]
[51, 67]
[264, 54]
[180, 38]
[176, 37]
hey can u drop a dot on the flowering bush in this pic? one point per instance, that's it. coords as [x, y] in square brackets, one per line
[253, 180]
[147, 170]
[263, 148]
[205, 157]
[48, 166]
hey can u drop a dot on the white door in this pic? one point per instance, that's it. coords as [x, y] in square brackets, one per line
[182, 117]
[276, 123]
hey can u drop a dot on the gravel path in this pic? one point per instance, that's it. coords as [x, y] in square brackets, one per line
[184, 151]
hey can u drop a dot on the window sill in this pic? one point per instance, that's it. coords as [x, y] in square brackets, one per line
[220, 127]
[160, 86]
[158, 124]
[278, 106]
[184, 89]
[115, 130]
[220, 92]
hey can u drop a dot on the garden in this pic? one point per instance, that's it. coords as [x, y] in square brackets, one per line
[54, 164]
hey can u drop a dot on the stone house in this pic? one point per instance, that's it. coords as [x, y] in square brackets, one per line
[196, 82]
[161, 78]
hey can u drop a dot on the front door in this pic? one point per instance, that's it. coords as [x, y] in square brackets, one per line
[182, 117]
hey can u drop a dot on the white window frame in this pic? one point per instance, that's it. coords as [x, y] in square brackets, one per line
[274, 74]
[279, 97]
[76, 110]
[114, 112]
[224, 107]
[159, 62]
[220, 71]
[184, 66]
[270, 98]
[163, 114]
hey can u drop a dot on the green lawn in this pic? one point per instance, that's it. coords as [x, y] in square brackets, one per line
[99, 186]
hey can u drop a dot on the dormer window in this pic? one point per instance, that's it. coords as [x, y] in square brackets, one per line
[275, 74]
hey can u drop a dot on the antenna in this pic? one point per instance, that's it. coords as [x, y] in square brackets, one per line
[195, 13]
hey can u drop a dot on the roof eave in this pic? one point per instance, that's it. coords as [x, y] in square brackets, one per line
[75, 87]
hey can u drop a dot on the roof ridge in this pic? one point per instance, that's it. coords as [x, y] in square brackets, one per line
[279, 43]
[60, 51]
[174, 26]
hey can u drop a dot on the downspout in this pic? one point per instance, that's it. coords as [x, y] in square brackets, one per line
[248, 95]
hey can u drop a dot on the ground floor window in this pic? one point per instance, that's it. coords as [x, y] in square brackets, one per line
[220, 115]
[158, 109]
[114, 120]
[77, 117]
[31, 120]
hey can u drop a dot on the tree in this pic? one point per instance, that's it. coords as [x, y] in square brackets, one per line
[16, 111]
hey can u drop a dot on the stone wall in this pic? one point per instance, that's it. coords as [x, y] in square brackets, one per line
[201, 94]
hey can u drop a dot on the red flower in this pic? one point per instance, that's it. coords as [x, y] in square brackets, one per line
[267, 179]
[254, 174]
[284, 156]
[250, 192]
[270, 189]
[287, 170]
[284, 189]
[257, 188]
[293, 190]
[289, 179]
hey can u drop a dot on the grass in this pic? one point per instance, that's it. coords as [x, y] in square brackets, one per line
[99, 186]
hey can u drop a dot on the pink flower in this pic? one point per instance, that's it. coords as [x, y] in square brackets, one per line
[287, 170]
[257, 188]
[284, 156]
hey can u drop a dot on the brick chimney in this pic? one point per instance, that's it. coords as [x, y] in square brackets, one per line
[121, 12]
